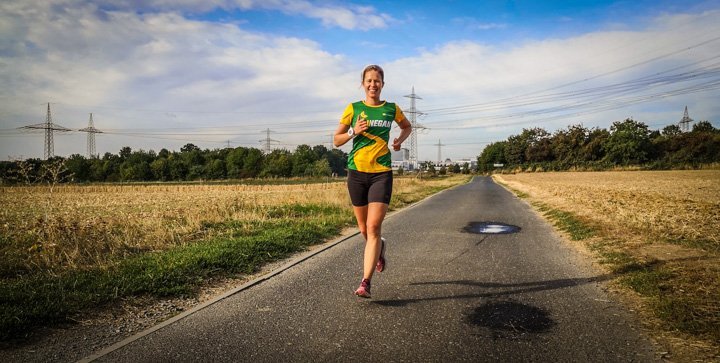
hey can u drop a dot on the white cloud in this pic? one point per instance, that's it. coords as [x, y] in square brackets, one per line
[350, 17]
[474, 24]
[346, 17]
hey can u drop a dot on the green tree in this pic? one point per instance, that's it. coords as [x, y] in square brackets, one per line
[338, 161]
[253, 163]
[79, 167]
[320, 151]
[629, 143]
[125, 153]
[594, 148]
[160, 169]
[303, 158]
[189, 148]
[178, 167]
[494, 153]
[216, 169]
[567, 145]
[111, 167]
[539, 145]
[321, 168]
[277, 164]
[671, 130]
[96, 170]
[235, 161]
[704, 126]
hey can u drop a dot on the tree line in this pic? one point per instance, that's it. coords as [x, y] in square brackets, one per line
[626, 143]
[190, 163]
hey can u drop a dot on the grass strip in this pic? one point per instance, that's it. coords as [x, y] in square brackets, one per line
[44, 299]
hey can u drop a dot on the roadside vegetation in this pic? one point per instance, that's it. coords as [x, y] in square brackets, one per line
[68, 247]
[657, 231]
[627, 143]
[189, 164]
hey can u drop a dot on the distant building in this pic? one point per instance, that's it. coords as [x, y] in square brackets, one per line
[472, 163]
[400, 159]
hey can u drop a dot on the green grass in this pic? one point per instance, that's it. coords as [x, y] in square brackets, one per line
[45, 299]
[577, 229]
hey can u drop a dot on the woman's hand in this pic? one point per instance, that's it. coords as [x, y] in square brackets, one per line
[361, 125]
[396, 144]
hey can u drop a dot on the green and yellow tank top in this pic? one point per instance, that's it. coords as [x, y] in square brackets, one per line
[370, 152]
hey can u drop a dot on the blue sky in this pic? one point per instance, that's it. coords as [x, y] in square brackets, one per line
[157, 74]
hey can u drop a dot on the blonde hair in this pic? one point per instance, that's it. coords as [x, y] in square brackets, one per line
[373, 67]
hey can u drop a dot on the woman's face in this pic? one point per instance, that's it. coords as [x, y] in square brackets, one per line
[372, 84]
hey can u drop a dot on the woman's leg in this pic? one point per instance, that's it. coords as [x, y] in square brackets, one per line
[375, 213]
[361, 214]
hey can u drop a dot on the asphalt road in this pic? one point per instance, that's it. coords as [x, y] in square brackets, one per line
[447, 295]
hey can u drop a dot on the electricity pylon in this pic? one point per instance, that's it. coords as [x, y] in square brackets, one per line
[91, 131]
[685, 122]
[268, 141]
[50, 129]
[413, 112]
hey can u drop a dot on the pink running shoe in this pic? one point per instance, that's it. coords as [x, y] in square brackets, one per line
[364, 289]
[380, 267]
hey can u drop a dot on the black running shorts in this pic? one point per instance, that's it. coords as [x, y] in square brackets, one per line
[367, 188]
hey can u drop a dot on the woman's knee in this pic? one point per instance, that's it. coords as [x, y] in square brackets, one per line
[374, 228]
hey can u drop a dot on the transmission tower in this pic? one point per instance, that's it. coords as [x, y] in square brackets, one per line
[50, 129]
[268, 141]
[413, 112]
[685, 122]
[91, 131]
[439, 145]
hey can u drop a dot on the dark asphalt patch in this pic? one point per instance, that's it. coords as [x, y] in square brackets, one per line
[511, 317]
[491, 228]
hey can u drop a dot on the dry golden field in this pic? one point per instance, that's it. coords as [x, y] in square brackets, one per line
[678, 206]
[658, 231]
[70, 226]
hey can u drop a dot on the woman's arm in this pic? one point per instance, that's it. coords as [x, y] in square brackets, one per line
[341, 136]
[405, 130]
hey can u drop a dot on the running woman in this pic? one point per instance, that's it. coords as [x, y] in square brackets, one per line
[367, 123]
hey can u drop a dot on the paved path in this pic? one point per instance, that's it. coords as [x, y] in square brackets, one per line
[448, 295]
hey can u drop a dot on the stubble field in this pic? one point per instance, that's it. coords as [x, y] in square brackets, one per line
[658, 231]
